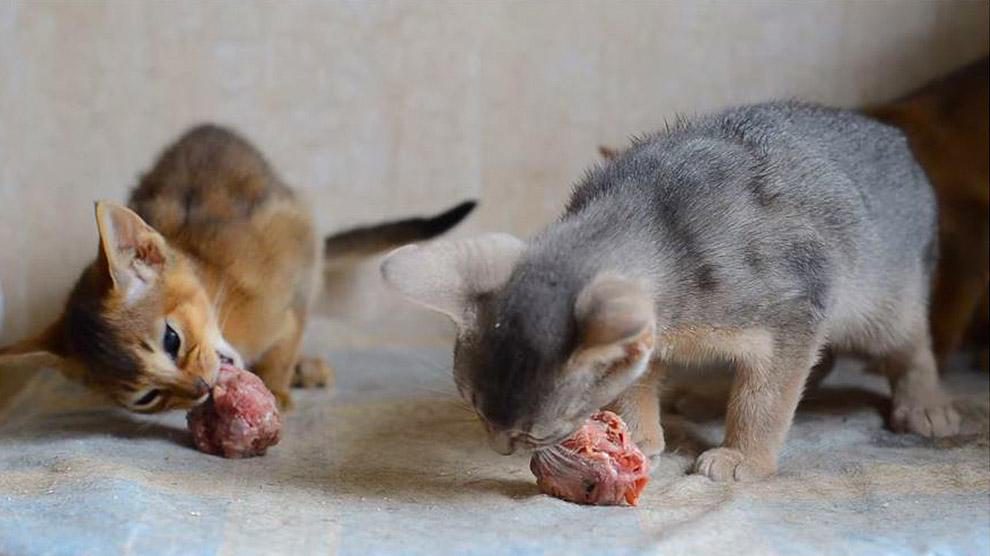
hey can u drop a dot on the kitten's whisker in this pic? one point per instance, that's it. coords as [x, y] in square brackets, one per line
[437, 390]
[460, 419]
[554, 460]
[429, 363]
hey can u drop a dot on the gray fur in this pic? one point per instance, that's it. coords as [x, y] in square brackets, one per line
[774, 211]
[812, 223]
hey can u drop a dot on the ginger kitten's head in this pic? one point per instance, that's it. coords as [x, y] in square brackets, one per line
[539, 348]
[138, 325]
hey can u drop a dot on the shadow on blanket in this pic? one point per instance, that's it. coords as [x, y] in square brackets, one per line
[102, 422]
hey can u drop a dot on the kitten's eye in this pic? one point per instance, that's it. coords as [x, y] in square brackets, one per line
[171, 342]
[149, 398]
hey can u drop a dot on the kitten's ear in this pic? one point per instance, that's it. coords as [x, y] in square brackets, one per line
[445, 275]
[616, 323]
[133, 251]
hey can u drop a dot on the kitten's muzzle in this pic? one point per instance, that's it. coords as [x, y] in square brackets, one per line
[507, 442]
[503, 441]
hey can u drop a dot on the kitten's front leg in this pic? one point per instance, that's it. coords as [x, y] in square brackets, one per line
[639, 407]
[761, 407]
[277, 365]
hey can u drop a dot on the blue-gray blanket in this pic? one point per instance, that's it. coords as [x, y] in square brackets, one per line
[388, 462]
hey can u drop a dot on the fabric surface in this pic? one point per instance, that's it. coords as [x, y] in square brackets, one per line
[389, 462]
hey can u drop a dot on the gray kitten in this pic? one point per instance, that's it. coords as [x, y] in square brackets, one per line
[759, 236]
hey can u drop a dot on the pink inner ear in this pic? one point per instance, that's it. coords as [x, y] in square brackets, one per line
[129, 232]
[148, 252]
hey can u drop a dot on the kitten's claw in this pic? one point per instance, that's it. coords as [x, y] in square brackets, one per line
[727, 464]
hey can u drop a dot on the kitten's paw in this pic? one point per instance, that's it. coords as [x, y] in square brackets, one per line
[728, 464]
[312, 372]
[647, 436]
[934, 418]
[652, 446]
[284, 400]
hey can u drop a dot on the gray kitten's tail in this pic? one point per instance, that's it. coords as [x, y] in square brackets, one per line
[361, 242]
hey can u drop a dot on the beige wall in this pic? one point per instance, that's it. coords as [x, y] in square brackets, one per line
[384, 109]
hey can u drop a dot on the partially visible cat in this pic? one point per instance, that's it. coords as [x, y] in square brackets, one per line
[948, 124]
[759, 236]
[216, 258]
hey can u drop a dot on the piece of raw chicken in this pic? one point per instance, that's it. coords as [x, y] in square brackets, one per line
[597, 465]
[240, 419]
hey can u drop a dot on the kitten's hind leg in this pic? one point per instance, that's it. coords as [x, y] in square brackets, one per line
[920, 405]
[764, 395]
[639, 407]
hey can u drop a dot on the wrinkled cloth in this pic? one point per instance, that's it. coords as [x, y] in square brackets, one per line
[391, 463]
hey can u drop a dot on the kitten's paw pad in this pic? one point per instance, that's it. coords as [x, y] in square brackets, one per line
[727, 464]
[931, 420]
[312, 372]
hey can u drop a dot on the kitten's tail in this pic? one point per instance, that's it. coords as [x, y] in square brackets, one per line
[357, 243]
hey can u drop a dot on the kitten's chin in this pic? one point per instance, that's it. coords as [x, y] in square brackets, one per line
[502, 442]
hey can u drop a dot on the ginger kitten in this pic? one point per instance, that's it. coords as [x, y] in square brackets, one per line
[216, 258]
[948, 125]
[759, 236]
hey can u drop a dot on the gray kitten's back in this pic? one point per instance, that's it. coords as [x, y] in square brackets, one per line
[755, 211]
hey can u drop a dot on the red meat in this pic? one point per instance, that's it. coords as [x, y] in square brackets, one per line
[597, 465]
[239, 420]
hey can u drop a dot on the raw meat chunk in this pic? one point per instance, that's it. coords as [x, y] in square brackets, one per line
[239, 420]
[597, 465]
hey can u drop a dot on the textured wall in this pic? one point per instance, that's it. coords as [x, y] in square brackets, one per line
[389, 108]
